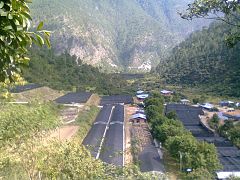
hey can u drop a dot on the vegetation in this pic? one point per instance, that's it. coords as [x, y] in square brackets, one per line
[230, 9]
[230, 131]
[60, 160]
[204, 61]
[214, 122]
[66, 72]
[20, 122]
[85, 121]
[179, 142]
[24, 153]
[124, 33]
[15, 37]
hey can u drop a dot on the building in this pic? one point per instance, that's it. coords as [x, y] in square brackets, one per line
[227, 175]
[226, 103]
[233, 114]
[207, 106]
[142, 97]
[184, 101]
[166, 92]
[140, 111]
[138, 118]
[140, 92]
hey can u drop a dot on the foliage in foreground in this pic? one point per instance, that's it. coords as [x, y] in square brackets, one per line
[26, 154]
[19, 122]
[15, 37]
[213, 8]
[57, 160]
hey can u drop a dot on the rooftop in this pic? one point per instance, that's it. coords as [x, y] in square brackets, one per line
[166, 92]
[74, 98]
[143, 96]
[27, 87]
[139, 115]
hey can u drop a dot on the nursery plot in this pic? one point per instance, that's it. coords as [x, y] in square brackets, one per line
[71, 98]
[116, 99]
[27, 87]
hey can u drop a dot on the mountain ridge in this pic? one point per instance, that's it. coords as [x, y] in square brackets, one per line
[118, 35]
[205, 61]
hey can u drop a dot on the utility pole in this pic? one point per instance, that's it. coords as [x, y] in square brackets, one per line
[180, 156]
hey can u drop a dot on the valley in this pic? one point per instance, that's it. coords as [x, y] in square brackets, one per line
[119, 89]
[116, 35]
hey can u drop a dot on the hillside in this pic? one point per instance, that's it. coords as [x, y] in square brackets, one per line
[204, 60]
[64, 72]
[116, 35]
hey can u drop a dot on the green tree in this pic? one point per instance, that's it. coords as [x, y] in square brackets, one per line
[172, 115]
[214, 122]
[206, 8]
[15, 37]
[166, 130]
[152, 112]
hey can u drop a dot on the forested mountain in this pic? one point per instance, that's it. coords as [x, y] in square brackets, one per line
[66, 72]
[115, 34]
[205, 60]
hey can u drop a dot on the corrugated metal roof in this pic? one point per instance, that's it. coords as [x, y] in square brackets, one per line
[142, 96]
[139, 115]
[225, 175]
[166, 92]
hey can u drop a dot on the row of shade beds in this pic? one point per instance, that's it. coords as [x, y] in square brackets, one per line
[105, 140]
[228, 154]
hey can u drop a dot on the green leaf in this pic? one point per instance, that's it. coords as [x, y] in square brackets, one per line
[3, 13]
[40, 40]
[47, 33]
[10, 16]
[40, 26]
[28, 1]
[47, 41]
[27, 15]
[1, 4]
[34, 40]
[14, 5]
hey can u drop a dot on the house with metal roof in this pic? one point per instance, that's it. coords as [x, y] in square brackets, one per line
[138, 118]
[184, 101]
[226, 103]
[207, 106]
[166, 92]
[142, 97]
[140, 92]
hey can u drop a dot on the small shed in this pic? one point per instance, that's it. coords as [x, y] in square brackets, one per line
[207, 106]
[184, 101]
[166, 92]
[140, 92]
[140, 111]
[138, 118]
[142, 97]
[226, 103]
